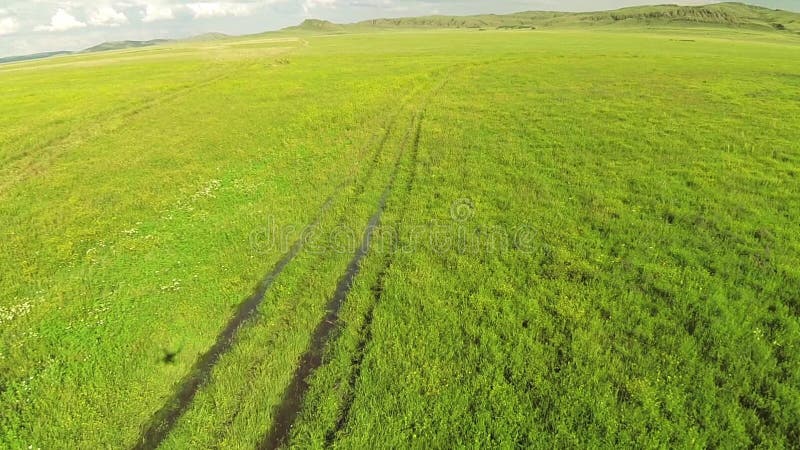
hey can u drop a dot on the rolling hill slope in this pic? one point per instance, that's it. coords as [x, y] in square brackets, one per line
[116, 45]
[10, 59]
[121, 45]
[735, 15]
[721, 15]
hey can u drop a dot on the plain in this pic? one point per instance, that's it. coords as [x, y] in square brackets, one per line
[589, 238]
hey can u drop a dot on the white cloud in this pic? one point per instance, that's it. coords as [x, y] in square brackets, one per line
[107, 16]
[308, 5]
[8, 25]
[61, 21]
[156, 12]
[220, 9]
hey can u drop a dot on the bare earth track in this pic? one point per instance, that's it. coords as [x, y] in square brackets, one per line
[164, 420]
[293, 397]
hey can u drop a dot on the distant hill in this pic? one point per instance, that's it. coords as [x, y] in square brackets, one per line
[726, 15]
[720, 14]
[120, 45]
[9, 59]
[206, 37]
[117, 45]
[315, 25]
[737, 15]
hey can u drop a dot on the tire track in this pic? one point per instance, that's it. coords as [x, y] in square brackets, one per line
[376, 155]
[164, 420]
[378, 287]
[293, 396]
[377, 294]
[288, 410]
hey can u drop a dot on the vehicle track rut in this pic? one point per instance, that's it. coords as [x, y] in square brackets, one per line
[289, 408]
[291, 403]
[164, 420]
[377, 294]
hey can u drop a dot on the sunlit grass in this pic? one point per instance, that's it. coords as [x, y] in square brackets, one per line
[653, 302]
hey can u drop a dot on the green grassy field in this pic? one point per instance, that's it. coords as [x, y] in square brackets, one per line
[579, 238]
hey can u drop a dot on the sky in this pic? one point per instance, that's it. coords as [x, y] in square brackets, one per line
[33, 26]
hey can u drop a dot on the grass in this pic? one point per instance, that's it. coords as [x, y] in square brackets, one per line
[590, 240]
